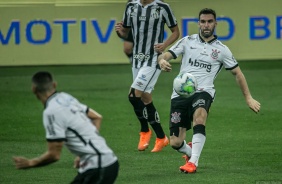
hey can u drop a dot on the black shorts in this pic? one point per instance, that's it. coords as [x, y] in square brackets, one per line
[182, 109]
[105, 175]
[129, 37]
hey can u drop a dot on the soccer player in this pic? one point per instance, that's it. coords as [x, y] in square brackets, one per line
[146, 19]
[203, 55]
[129, 42]
[67, 121]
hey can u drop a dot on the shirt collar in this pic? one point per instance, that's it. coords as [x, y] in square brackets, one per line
[49, 98]
[210, 42]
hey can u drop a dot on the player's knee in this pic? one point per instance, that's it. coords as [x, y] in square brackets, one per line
[199, 120]
[138, 106]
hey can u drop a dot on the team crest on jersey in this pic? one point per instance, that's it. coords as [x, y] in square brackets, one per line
[155, 13]
[175, 117]
[215, 53]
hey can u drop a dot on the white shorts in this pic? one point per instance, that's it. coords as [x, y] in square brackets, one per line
[145, 78]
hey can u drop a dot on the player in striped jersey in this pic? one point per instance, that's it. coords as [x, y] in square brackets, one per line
[146, 19]
[69, 122]
[128, 43]
[203, 55]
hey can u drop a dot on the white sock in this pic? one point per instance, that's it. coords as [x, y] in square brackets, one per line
[198, 142]
[185, 149]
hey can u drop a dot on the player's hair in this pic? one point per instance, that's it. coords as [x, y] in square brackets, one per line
[207, 11]
[43, 81]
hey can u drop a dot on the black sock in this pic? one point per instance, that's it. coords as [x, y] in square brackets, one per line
[140, 110]
[154, 120]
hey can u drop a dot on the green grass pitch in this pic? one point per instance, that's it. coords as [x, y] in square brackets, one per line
[241, 146]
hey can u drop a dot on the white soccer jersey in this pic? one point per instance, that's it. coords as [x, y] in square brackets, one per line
[65, 119]
[203, 59]
[147, 26]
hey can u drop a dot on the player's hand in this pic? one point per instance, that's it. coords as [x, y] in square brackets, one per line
[76, 162]
[22, 162]
[119, 28]
[159, 47]
[164, 65]
[253, 104]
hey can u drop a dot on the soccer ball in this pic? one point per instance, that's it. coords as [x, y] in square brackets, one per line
[185, 84]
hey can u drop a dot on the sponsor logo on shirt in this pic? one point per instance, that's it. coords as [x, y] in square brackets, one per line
[200, 64]
[142, 18]
[141, 57]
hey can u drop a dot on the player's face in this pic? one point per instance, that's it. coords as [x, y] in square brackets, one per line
[145, 2]
[207, 24]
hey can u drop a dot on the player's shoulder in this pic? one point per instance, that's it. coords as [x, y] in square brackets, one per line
[189, 38]
[58, 100]
[162, 4]
[218, 43]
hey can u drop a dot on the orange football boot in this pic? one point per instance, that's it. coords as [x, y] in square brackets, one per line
[160, 144]
[144, 140]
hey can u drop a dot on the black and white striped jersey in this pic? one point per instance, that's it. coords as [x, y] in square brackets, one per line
[203, 59]
[65, 119]
[147, 26]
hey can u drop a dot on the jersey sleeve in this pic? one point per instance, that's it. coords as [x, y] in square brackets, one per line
[126, 16]
[169, 17]
[229, 61]
[177, 48]
[54, 126]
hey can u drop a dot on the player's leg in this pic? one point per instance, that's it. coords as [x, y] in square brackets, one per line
[140, 111]
[150, 81]
[201, 104]
[179, 124]
[154, 121]
[144, 82]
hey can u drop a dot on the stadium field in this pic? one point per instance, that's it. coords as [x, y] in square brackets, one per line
[241, 146]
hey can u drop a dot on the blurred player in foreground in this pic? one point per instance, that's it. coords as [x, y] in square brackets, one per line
[203, 55]
[67, 121]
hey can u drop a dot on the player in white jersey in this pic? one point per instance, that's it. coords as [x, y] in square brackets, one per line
[146, 19]
[203, 56]
[69, 122]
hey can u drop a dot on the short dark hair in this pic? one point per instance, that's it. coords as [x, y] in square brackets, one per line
[207, 11]
[43, 81]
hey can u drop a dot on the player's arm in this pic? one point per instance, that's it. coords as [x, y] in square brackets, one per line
[160, 47]
[95, 117]
[241, 80]
[51, 155]
[121, 31]
[163, 61]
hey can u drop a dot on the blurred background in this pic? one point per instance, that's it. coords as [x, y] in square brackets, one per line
[58, 32]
